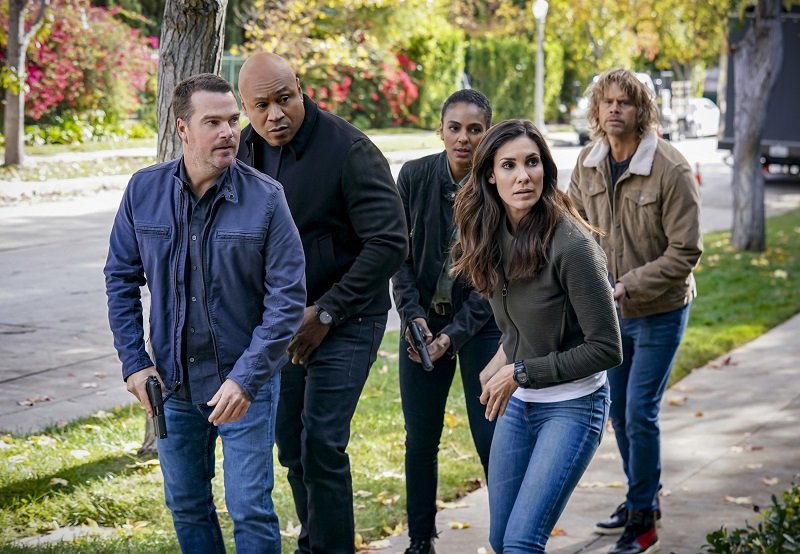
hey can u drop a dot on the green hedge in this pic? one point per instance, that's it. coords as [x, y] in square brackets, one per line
[438, 48]
[504, 68]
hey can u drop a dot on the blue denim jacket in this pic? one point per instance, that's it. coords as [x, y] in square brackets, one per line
[253, 270]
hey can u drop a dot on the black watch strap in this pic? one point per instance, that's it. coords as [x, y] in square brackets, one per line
[520, 374]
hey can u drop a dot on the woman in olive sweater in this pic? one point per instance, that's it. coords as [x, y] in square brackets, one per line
[524, 246]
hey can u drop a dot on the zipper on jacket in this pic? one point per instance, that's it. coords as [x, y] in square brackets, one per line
[176, 359]
[505, 309]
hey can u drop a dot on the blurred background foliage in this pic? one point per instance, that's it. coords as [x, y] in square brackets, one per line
[377, 63]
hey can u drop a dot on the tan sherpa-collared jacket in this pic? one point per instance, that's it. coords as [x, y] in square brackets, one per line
[652, 224]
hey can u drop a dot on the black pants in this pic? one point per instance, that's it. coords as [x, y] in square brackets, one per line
[424, 397]
[317, 402]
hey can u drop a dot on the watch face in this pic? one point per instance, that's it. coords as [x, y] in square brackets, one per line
[324, 317]
[520, 376]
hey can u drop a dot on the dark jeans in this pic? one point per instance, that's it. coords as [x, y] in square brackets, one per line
[649, 347]
[316, 405]
[424, 396]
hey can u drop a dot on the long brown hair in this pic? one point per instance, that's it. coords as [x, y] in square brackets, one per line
[479, 211]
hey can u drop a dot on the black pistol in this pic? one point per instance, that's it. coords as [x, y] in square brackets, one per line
[157, 402]
[419, 345]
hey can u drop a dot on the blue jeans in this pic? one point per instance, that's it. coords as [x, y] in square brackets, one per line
[649, 347]
[187, 463]
[424, 397]
[317, 402]
[539, 453]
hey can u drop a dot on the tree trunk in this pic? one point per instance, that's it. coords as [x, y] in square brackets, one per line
[18, 40]
[757, 61]
[192, 36]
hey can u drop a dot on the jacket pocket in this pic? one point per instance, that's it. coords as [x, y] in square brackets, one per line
[153, 230]
[642, 211]
[240, 235]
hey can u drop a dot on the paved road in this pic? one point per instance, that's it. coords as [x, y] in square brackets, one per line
[55, 348]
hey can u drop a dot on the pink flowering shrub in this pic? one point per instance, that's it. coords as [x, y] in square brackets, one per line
[369, 96]
[87, 62]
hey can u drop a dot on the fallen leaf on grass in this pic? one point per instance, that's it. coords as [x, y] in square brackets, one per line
[451, 420]
[769, 481]
[384, 498]
[33, 400]
[291, 530]
[388, 355]
[740, 500]
[558, 532]
[389, 475]
[79, 454]
[459, 525]
[780, 274]
[384, 369]
[58, 481]
[393, 531]
[362, 494]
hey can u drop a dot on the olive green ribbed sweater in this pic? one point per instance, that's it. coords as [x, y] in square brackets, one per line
[562, 323]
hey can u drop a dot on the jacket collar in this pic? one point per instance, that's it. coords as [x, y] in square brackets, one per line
[642, 161]
[225, 184]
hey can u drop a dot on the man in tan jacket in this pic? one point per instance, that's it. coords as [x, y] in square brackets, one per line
[641, 192]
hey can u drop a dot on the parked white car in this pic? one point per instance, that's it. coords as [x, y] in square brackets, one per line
[702, 118]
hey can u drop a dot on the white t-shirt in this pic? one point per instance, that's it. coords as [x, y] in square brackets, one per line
[564, 391]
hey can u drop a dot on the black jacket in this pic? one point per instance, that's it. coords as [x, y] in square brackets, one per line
[342, 196]
[427, 193]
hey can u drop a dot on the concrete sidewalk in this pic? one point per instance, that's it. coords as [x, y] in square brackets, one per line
[729, 441]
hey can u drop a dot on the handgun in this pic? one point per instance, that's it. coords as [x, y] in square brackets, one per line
[157, 402]
[418, 343]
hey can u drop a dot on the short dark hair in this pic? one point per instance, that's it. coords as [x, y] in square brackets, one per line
[469, 96]
[182, 95]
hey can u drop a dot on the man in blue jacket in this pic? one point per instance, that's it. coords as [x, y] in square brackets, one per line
[215, 243]
[343, 199]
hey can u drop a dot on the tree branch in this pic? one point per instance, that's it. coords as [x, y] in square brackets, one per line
[37, 22]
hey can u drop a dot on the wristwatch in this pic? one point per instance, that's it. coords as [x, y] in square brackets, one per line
[324, 317]
[520, 375]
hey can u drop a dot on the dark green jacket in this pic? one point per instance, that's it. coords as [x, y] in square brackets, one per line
[562, 323]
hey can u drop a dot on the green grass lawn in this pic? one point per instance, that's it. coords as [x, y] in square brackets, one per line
[87, 473]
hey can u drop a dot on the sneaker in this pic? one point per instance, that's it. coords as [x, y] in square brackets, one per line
[615, 523]
[421, 546]
[640, 535]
